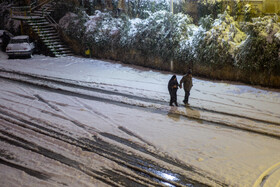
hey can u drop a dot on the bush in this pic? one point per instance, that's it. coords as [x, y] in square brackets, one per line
[103, 30]
[73, 25]
[216, 47]
[260, 51]
[159, 34]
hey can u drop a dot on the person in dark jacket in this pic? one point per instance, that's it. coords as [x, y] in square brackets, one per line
[172, 88]
[187, 81]
[6, 40]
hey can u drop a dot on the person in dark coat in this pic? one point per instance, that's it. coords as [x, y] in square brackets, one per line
[187, 81]
[6, 40]
[172, 88]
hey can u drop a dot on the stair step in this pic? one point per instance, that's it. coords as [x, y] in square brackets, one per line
[58, 42]
[44, 27]
[50, 37]
[41, 31]
[55, 42]
[61, 46]
[52, 42]
[60, 49]
[55, 47]
[39, 24]
[48, 33]
[38, 21]
[37, 17]
[40, 11]
[47, 29]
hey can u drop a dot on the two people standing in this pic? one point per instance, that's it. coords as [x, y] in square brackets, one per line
[173, 85]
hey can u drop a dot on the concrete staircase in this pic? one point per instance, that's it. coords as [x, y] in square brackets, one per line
[46, 28]
[39, 19]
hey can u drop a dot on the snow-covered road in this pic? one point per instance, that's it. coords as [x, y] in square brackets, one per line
[84, 122]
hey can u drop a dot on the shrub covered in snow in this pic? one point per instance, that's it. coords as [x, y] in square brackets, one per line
[260, 51]
[103, 30]
[159, 34]
[209, 7]
[142, 9]
[217, 45]
[73, 25]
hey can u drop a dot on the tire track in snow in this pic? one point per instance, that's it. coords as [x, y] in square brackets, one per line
[179, 114]
[137, 163]
[22, 143]
[268, 128]
[54, 83]
[29, 171]
[44, 81]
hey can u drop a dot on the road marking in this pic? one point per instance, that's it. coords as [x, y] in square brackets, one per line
[265, 173]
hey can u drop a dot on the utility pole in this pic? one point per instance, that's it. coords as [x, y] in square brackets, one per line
[171, 6]
[171, 61]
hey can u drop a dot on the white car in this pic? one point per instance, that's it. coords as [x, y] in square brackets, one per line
[20, 46]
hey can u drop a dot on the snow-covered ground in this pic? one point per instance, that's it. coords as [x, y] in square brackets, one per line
[78, 122]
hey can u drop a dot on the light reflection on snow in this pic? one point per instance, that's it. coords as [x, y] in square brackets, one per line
[168, 176]
[167, 184]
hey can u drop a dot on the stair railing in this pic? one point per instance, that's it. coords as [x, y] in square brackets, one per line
[40, 5]
[20, 11]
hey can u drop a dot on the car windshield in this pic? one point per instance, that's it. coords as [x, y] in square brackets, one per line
[16, 41]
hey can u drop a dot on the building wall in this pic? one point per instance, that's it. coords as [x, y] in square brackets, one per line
[264, 6]
[272, 6]
[259, 7]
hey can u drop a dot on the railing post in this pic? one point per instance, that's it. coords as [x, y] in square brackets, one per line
[21, 27]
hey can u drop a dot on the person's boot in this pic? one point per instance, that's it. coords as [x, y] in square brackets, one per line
[176, 103]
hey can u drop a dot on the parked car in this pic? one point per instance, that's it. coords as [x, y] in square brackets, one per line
[1, 37]
[20, 46]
